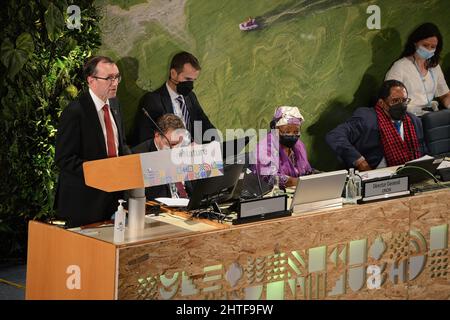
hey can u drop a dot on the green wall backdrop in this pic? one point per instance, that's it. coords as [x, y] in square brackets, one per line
[315, 54]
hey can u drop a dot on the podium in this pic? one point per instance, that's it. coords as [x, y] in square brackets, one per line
[134, 172]
[109, 174]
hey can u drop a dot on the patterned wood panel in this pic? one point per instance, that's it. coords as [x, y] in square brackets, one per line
[325, 255]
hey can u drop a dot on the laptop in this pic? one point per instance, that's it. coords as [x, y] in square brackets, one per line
[319, 191]
[250, 186]
[417, 169]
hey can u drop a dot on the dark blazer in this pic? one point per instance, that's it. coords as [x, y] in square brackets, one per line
[158, 103]
[158, 191]
[359, 136]
[79, 139]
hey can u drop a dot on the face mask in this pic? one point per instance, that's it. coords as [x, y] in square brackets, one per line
[185, 87]
[289, 140]
[424, 53]
[397, 111]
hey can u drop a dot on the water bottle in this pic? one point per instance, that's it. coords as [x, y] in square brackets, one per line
[276, 191]
[351, 188]
[358, 182]
[173, 190]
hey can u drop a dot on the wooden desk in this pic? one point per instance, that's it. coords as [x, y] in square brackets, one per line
[333, 254]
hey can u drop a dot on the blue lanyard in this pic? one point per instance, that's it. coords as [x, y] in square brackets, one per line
[423, 82]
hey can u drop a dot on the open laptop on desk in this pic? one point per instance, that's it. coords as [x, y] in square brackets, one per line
[319, 191]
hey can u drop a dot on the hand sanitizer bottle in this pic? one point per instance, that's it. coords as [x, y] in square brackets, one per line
[119, 223]
[351, 189]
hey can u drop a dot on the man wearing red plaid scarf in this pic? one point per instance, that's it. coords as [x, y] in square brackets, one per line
[385, 135]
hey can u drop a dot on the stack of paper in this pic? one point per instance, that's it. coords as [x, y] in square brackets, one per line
[173, 202]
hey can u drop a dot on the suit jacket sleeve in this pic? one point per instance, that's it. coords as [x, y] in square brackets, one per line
[419, 133]
[68, 140]
[342, 139]
[146, 146]
[201, 115]
[124, 148]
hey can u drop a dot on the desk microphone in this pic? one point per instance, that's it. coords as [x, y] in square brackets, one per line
[157, 127]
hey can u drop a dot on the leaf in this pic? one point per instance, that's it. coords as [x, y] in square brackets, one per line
[13, 59]
[25, 42]
[45, 3]
[59, 63]
[70, 44]
[54, 22]
[72, 91]
[6, 51]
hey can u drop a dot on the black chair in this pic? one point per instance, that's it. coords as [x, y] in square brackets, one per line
[436, 129]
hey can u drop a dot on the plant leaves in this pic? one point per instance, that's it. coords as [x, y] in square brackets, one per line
[13, 59]
[25, 42]
[6, 51]
[45, 3]
[54, 22]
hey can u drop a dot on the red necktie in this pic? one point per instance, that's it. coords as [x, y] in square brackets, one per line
[110, 141]
[180, 190]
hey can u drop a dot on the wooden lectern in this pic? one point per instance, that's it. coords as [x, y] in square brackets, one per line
[114, 174]
[83, 263]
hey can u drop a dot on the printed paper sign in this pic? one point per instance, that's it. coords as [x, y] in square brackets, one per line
[182, 164]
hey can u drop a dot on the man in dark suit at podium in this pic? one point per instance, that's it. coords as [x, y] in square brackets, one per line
[90, 128]
[175, 96]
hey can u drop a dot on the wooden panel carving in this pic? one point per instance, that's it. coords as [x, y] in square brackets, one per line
[396, 249]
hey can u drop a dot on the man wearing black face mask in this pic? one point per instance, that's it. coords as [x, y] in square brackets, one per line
[386, 135]
[175, 96]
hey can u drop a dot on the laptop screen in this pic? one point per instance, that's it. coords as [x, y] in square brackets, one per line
[319, 187]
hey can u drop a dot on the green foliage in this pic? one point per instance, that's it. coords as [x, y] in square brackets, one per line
[41, 62]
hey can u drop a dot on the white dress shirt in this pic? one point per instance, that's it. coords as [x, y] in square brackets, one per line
[99, 107]
[175, 104]
[420, 92]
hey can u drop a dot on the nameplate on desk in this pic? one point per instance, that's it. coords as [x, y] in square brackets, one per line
[385, 188]
[262, 209]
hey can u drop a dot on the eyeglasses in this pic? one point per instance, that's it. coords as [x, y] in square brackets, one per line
[110, 78]
[400, 100]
